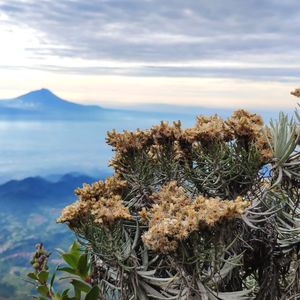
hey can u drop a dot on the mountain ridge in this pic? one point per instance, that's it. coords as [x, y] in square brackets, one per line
[21, 194]
[44, 103]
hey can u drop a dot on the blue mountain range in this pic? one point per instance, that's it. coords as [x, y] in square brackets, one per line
[32, 192]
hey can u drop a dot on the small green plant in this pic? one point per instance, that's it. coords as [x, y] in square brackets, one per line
[78, 270]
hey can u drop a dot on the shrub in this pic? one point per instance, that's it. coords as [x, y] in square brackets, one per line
[208, 212]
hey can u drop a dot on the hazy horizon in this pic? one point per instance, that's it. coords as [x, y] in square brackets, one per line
[155, 106]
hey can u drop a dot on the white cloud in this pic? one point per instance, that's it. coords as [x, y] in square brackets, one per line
[216, 53]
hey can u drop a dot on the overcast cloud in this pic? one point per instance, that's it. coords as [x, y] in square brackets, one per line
[232, 38]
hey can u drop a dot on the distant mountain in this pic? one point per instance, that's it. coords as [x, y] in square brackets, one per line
[23, 195]
[43, 103]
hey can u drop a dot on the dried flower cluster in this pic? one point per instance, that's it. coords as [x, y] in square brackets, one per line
[214, 129]
[209, 129]
[296, 93]
[164, 132]
[175, 215]
[128, 140]
[101, 200]
[73, 212]
[244, 123]
[250, 127]
[112, 185]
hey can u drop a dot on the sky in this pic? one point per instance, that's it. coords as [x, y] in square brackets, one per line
[212, 53]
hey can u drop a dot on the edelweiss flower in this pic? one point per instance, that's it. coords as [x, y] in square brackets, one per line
[99, 200]
[296, 93]
[175, 216]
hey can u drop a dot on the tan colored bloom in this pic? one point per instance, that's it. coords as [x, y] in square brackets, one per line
[213, 129]
[164, 132]
[244, 123]
[178, 153]
[208, 129]
[115, 184]
[251, 127]
[296, 93]
[211, 210]
[128, 140]
[101, 200]
[144, 215]
[108, 210]
[261, 143]
[74, 212]
[154, 152]
[117, 163]
[92, 192]
[175, 215]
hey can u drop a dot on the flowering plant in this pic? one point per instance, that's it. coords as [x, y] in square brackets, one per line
[208, 212]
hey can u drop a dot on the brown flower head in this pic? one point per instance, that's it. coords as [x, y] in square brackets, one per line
[92, 192]
[101, 200]
[74, 212]
[108, 210]
[175, 215]
[164, 132]
[296, 93]
[128, 140]
[209, 129]
[245, 124]
[262, 140]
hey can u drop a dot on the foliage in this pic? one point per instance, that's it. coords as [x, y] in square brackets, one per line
[78, 270]
[208, 212]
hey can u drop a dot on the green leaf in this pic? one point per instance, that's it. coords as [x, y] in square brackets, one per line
[43, 276]
[32, 276]
[57, 297]
[71, 260]
[65, 295]
[77, 293]
[68, 270]
[93, 294]
[84, 287]
[75, 249]
[53, 277]
[43, 290]
[83, 266]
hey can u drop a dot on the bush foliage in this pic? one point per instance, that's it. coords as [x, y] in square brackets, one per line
[208, 212]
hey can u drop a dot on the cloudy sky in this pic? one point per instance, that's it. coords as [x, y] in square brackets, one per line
[229, 53]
